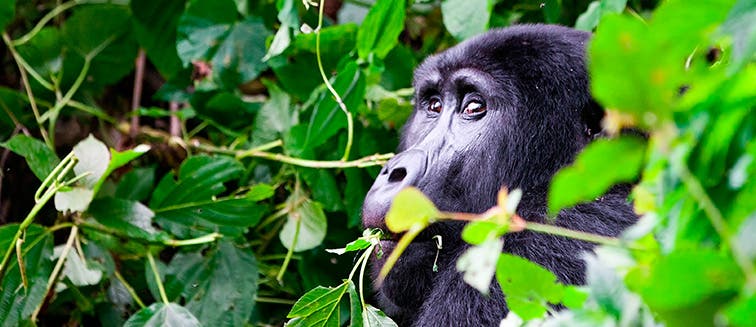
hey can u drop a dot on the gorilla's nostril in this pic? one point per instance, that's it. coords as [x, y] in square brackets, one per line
[397, 175]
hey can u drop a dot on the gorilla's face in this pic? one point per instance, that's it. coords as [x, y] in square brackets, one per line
[507, 108]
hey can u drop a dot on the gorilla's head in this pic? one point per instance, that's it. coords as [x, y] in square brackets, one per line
[507, 108]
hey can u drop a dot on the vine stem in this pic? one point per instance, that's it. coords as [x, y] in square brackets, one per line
[158, 281]
[27, 87]
[339, 101]
[129, 289]
[42, 22]
[697, 191]
[289, 253]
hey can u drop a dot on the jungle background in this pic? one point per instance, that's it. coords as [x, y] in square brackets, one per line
[188, 162]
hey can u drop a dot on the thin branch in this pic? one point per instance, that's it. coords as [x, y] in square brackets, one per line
[339, 101]
[42, 22]
[158, 280]
[175, 124]
[136, 96]
[129, 289]
[697, 191]
[58, 267]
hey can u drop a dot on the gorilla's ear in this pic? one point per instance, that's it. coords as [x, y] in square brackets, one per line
[591, 116]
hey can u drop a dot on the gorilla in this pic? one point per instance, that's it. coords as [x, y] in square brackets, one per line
[504, 109]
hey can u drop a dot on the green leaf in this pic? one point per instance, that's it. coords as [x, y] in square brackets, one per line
[229, 216]
[155, 24]
[355, 245]
[160, 314]
[200, 178]
[683, 279]
[318, 307]
[119, 159]
[740, 312]
[588, 20]
[478, 263]
[376, 318]
[552, 9]
[324, 188]
[208, 31]
[102, 31]
[7, 12]
[275, 118]
[477, 232]
[466, 18]
[355, 307]
[13, 104]
[17, 302]
[126, 216]
[220, 290]
[380, 29]
[528, 287]
[327, 117]
[74, 199]
[410, 207]
[41, 159]
[602, 164]
[306, 225]
[136, 184]
[44, 53]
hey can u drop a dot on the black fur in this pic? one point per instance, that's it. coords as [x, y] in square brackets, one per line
[533, 81]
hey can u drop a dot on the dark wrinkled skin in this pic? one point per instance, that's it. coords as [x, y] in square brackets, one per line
[539, 114]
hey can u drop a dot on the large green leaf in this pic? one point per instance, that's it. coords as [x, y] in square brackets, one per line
[275, 118]
[327, 117]
[136, 184]
[318, 307]
[155, 25]
[126, 216]
[528, 287]
[7, 11]
[306, 225]
[163, 315]
[188, 207]
[209, 31]
[601, 164]
[410, 207]
[597, 9]
[380, 29]
[41, 159]
[104, 31]
[466, 18]
[16, 301]
[219, 289]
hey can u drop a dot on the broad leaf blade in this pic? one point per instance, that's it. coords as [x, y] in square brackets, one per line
[602, 164]
[41, 159]
[163, 315]
[380, 29]
[410, 207]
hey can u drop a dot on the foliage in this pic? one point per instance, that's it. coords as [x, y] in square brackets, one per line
[189, 161]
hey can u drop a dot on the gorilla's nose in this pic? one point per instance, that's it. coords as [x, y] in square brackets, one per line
[405, 169]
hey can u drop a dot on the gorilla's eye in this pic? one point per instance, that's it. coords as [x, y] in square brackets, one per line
[474, 108]
[435, 105]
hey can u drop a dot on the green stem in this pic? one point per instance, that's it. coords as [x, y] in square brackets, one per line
[339, 101]
[22, 227]
[573, 234]
[697, 191]
[289, 253]
[265, 299]
[374, 160]
[209, 238]
[42, 22]
[158, 281]
[365, 258]
[55, 111]
[27, 88]
[130, 289]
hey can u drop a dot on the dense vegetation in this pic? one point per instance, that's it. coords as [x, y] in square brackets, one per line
[191, 160]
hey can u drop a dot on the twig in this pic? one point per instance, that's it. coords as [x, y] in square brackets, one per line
[175, 126]
[129, 289]
[58, 267]
[339, 101]
[136, 96]
[697, 191]
[158, 280]
[42, 22]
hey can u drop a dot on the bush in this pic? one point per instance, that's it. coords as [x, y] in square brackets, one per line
[190, 161]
